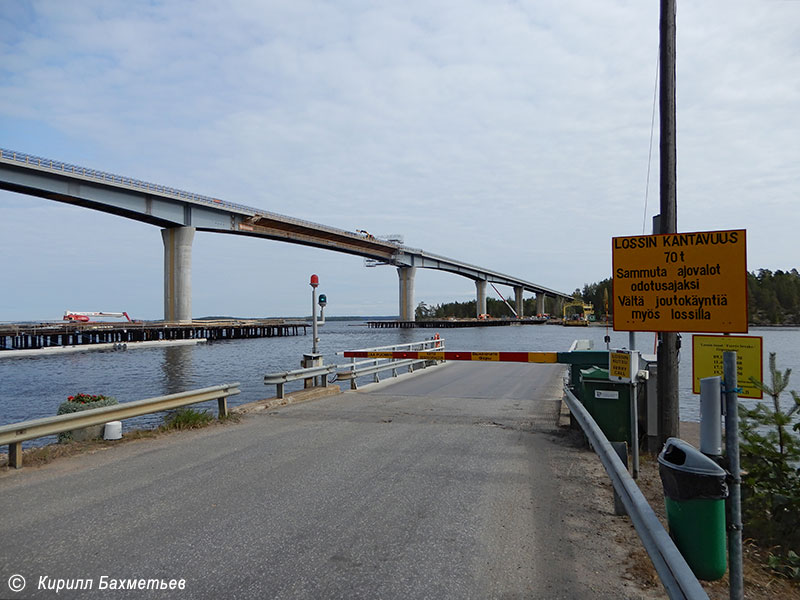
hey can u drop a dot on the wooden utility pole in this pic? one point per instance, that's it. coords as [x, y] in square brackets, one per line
[668, 347]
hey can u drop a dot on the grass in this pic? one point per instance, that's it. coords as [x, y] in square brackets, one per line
[187, 418]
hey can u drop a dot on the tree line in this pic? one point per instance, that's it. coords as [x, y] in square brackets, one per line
[773, 298]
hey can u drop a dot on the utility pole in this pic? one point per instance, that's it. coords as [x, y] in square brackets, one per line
[667, 354]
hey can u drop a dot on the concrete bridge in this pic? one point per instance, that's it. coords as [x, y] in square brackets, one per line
[180, 214]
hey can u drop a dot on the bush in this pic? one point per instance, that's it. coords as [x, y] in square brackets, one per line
[78, 403]
[187, 418]
[770, 455]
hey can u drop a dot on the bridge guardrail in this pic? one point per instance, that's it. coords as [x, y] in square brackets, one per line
[378, 364]
[14, 434]
[353, 370]
[282, 378]
[675, 574]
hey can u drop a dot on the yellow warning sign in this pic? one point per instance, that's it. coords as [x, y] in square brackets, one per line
[707, 360]
[489, 356]
[692, 282]
[619, 366]
[431, 355]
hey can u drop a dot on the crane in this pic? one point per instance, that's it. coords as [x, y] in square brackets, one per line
[83, 316]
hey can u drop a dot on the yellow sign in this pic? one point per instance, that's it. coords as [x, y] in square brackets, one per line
[619, 365]
[707, 360]
[681, 282]
[489, 356]
[431, 355]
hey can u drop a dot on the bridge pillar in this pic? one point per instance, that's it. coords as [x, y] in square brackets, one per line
[480, 286]
[406, 275]
[560, 307]
[519, 302]
[178, 273]
[540, 303]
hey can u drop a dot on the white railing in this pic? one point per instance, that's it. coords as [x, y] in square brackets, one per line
[353, 370]
[374, 366]
[282, 378]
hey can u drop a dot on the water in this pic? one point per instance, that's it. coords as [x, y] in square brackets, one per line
[34, 386]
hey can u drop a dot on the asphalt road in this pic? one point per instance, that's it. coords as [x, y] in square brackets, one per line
[451, 483]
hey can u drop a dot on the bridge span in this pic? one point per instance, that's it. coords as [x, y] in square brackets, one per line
[180, 213]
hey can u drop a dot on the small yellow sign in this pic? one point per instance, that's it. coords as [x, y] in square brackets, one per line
[431, 355]
[707, 360]
[488, 356]
[619, 365]
[691, 282]
[380, 355]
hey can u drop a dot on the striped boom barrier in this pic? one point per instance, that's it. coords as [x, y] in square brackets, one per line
[525, 357]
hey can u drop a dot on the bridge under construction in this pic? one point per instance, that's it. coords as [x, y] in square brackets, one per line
[180, 214]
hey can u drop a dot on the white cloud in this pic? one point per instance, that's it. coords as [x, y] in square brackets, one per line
[513, 136]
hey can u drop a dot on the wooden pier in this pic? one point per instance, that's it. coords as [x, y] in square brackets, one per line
[47, 335]
[451, 323]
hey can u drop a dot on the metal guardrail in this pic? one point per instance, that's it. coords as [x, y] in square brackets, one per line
[14, 434]
[374, 369]
[353, 370]
[675, 574]
[281, 379]
[373, 366]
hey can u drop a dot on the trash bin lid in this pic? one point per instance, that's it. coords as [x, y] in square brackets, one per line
[594, 373]
[680, 455]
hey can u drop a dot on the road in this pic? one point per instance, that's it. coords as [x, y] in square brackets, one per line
[451, 483]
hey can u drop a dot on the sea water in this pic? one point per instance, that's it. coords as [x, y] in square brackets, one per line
[34, 386]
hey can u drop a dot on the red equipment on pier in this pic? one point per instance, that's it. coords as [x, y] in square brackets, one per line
[83, 316]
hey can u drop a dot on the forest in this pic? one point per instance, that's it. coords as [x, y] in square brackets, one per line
[773, 298]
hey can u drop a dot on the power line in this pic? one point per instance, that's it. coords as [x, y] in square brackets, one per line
[652, 128]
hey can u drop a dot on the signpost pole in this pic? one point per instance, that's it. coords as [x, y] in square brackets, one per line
[732, 454]
[635, 426]
[314, 319]
[667, 354]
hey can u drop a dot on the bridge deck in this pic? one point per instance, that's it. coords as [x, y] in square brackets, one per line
[167, 207]
[451, 483]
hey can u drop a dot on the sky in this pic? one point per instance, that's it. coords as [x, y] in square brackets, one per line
[511, 135]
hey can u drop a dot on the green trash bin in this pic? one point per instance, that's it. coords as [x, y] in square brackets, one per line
[578, 360]
[695, 489]
[609, 403]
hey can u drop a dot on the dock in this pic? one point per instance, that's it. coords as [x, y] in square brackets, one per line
[50, 335]
[452, 323]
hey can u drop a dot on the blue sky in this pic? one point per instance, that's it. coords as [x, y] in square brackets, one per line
[509, 135]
